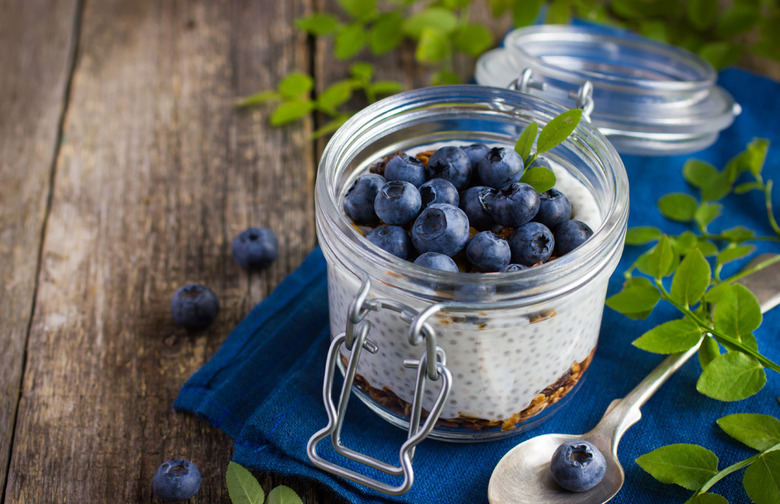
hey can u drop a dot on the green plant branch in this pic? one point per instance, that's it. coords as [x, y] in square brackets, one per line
[754, 269]
[733, 468]
[770, 213]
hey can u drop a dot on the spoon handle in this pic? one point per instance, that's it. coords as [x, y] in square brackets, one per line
[623, 413]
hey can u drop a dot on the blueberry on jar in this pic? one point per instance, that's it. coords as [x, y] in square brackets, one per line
[515, 205]
[359, 200]
[452, 164]
[392, 239]
[440, 228]
[437, 261]
[487, 251]
[500, 167]
[477, 202]
[554, 208]
[569, 235]
[439, 191]
[475, 152]
[511, 268]
[397, 202]
[577, 465]
[540, 162]
[531, 243]
[407, 168]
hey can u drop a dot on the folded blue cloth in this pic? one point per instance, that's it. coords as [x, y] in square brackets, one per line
[263, 387]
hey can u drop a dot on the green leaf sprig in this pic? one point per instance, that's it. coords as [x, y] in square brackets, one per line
[717, 312]
[244, 488]
[696, 468]
[554, 133]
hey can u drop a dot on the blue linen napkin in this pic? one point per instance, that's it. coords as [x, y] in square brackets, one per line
[263, 387]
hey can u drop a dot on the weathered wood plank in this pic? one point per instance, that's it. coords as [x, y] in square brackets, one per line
[155, 175]
[36, 48]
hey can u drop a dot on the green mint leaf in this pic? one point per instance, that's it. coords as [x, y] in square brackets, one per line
[733, 253]
[540, 178]
[684, 242]
[291, 111]
[443, 77]
[732, 376]
[670, 337]
[707, 498]
[756, 155]
[717, 292]
[472, 39]
[708, 351]
[433, 46]
[386, 33]
[318, 24]
[335, 95]
[329, 127]
[498, 7]
[283, 495]
[295, 85]
[706, 247]
[737, 20]
[657, 30]
[698, 173]
[630, 9]
[639, 235]
[558, 12]
[634, 299]
[362, 71]
[558, 130]
[526, 13]
[738, 314]
[386, 87]
[687, 465]
[661, 259]
[258, 99]
[762, 478]
[638, 282]
[721, 54]
[691, 279]
[678, 206]
[243, 487]
[738, 234]
[747, 187]
[433, 17]
[526, 140]
[361, 10]
[349, 41]
[760, 432]
[716, 187]
[702, 13]
[706, 213]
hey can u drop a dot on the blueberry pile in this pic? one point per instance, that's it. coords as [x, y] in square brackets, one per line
[463, 209]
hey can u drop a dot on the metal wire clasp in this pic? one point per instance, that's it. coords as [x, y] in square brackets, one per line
[431, 365]
[583, 96]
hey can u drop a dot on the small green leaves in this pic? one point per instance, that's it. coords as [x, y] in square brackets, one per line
[295, 85]
[661, 261]
[698, 173]
[678, 206]
[437, 18]
[433, 45]
[526, 12]
[558, 130]
[762, 478]
[539, 178]
[283, 495]
[243, 487]
[707, 498]
[687, 465]
[738, 314]
[334, 95]
[361, 10]
[472, 39]
[691, 279]
[386, 33]
[634, 299]
[702, 13]
[639, 235]
[349, 41]
[708, 351]
[291, 111]
[670, 337]
[258, 99]
[318, 24]
[760, 432]
[732, 376]
[526, 140]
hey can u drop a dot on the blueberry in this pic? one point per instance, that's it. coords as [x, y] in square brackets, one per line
[540, 162]
[194, 306]
[255, 248]
[450, 163]
[439, 190]
[392, 239]
[474, 291]
[578, 466]
[487, 251]
[477, 202]
[554, 208]
[531, 243]
[437, 261]
[515, 205]
[408, 168]
[475, 152]
[176, 480]
[359, 200]
[440, 228]
[569, 235]
[511, 268]
[397, 203]
[500, 167]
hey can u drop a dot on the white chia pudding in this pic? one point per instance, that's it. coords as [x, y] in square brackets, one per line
[507, 365]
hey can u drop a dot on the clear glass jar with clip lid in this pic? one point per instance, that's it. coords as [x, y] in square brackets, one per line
[465, 357]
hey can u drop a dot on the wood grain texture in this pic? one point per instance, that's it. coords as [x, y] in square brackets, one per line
[36, 49]
[155, 175]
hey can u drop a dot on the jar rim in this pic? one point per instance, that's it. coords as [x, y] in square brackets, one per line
[531, 285]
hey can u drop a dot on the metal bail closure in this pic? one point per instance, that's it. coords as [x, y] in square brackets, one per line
[583, 96]
[355, 338]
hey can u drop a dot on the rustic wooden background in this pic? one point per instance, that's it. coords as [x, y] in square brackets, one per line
[124, 173]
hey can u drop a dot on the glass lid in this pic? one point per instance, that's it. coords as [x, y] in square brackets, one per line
[647, 97]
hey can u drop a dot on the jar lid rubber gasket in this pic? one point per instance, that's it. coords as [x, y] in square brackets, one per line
[648, 97]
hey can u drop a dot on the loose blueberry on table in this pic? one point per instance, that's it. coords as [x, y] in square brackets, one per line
[176, 480]
[463, 208]
[255, 248]
[577, 466]
[194, 306]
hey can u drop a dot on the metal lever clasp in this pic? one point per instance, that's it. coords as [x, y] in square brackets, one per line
[336, 414]
[583, 96]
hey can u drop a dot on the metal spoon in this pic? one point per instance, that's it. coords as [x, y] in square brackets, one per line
[523, 475]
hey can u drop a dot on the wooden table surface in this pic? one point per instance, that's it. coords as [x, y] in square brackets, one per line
[125, 172]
